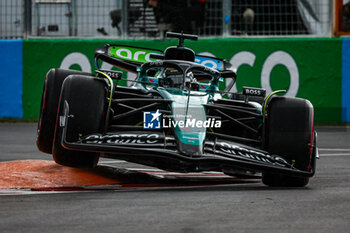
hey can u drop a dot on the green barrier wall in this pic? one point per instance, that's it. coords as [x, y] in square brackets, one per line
[306, 67]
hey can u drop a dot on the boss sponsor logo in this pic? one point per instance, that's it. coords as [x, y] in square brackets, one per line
[113, 74]
[250, 154]
[254, 91]
[126, 138]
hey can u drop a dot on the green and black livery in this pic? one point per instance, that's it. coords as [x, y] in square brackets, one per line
[84, 116]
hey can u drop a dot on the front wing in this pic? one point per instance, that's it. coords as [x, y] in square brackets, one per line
[135, 145]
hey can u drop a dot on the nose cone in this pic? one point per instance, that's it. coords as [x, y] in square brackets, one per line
[191, 134]
[190, 150]
[188, 119]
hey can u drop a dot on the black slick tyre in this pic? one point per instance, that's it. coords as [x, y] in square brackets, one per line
[86, 97]
[49, 105]
[289, 133]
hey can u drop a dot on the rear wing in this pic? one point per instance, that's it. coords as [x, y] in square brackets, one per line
[130, 57]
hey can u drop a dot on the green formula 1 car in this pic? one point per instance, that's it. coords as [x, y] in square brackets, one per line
[174, 117]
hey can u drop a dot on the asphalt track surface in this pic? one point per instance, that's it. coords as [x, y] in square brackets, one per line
[322, 206]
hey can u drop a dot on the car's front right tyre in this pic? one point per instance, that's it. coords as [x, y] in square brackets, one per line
[86, 97]
[49, 105]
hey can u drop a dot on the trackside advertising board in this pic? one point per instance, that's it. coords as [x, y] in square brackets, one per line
[306, 67]
[346, 80]
[11, 79]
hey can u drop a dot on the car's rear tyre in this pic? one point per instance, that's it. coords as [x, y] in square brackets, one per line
[86, 97]
[49, 105]
[289, 133]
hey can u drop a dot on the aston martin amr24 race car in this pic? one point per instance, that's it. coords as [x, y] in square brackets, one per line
[174, 117]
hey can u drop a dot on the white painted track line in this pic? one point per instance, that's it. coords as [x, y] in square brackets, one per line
[329, 152]
[335, 154]
[333, 149]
